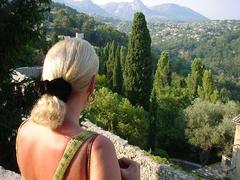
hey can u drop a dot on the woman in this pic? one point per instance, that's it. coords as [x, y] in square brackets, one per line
[51, 144]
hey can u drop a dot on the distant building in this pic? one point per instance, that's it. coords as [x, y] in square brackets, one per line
[235, 164]
[80, 35]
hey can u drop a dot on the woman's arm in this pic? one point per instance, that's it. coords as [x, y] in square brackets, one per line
[104, 162]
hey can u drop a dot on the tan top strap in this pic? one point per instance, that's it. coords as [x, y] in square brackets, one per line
[71, 149]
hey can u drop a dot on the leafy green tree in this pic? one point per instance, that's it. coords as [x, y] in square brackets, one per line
[116, 114]
[166, 104]
[209, 127]
[117, 73]
[138, 68]
[63, 22]
[102, 81]
[21, 33]
[195, 78]
[20, 24]
[224, 95]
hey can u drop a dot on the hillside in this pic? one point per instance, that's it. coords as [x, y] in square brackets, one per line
[217, 43]
[63, 20]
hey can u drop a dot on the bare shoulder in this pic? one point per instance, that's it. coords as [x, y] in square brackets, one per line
[104, 162]
[102, 143]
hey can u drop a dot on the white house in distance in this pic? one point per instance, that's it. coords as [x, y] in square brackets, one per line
[235, 164]
[78, 35]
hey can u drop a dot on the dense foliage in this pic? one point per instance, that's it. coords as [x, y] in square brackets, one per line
[116, 114]
[209, 127]
[66, 21]
[22, 42]
[20, 27]
[215, 42]
[166, 108]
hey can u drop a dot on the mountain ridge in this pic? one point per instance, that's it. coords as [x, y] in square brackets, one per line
[126, 10]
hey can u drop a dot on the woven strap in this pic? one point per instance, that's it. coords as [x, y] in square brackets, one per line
[71, 149]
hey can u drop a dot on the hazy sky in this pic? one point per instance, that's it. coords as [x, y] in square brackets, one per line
[213, 9]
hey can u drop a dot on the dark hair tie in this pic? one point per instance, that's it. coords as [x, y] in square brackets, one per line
[57, 87]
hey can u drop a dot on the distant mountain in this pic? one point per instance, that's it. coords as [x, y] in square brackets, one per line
[85, 6]
[125, 10]
[176, 12]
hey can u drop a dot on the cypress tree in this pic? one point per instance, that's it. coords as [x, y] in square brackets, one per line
[162, 78]
[138, 69]
[195, 78]
[154, 111]
[123, 55]
[105, 54]
[117, 73]
[110, 62]
[163, 73]
[207, 91]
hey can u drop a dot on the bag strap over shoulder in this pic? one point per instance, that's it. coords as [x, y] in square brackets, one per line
[71, 149]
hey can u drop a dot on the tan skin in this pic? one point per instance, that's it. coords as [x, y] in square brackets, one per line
[46, 147]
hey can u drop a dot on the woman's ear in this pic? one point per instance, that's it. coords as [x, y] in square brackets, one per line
[92, 85]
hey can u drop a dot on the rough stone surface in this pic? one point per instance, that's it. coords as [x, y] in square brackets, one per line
[150, 170]
[20, 74]
[8, 175]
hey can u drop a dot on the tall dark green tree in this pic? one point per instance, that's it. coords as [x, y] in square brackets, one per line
[123, 55]
[20, 29]
[195, 78]
[138, 65]
[117, 73]
[110, 62]
[207, 91]
[104, 58]
[20, 24]
[166, 104]
[163, 76]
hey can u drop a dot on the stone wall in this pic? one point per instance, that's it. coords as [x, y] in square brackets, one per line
[8, 175]
[150, 170]
[20, 74]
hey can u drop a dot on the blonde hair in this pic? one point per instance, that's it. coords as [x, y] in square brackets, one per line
[76, 62]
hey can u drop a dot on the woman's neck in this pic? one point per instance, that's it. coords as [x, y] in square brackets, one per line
[74, 107]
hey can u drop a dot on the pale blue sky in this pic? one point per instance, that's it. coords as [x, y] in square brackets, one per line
[213, 9]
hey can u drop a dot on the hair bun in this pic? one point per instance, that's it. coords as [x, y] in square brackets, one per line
[57, 87]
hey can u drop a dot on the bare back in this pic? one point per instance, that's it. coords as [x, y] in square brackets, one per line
[41, 149]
